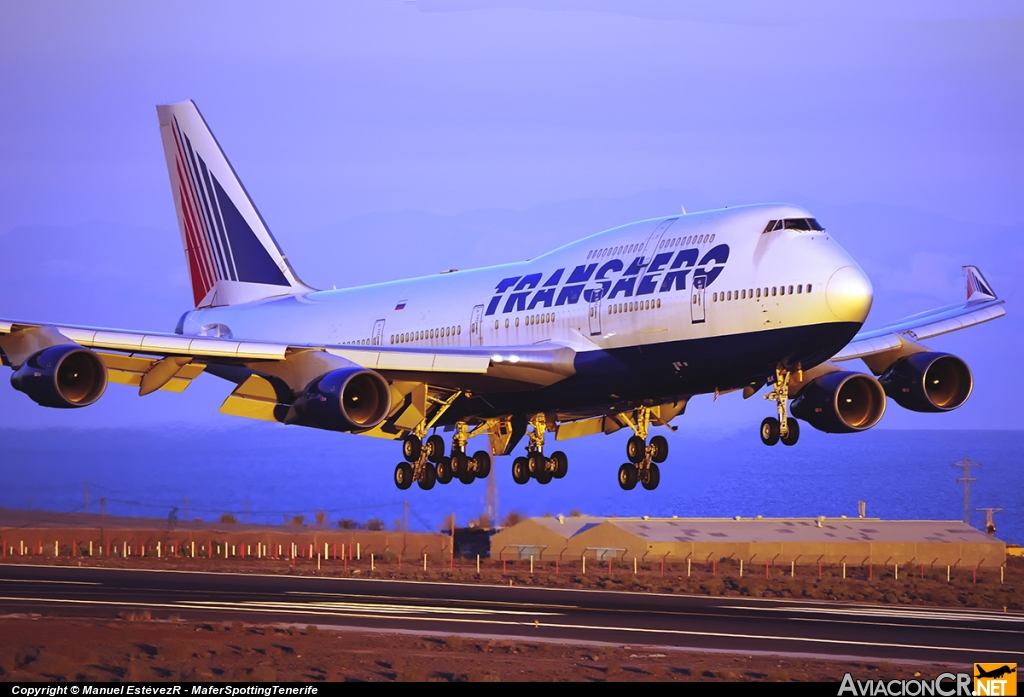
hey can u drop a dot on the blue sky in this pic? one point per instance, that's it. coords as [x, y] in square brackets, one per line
[387, 139]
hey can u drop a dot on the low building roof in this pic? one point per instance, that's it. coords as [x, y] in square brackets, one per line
[774, 529]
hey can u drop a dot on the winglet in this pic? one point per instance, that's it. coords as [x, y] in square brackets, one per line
[978, 289]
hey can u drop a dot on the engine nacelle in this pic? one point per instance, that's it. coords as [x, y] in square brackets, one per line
[64, 377]
[840, 402]
[346, 399]
[928, 382]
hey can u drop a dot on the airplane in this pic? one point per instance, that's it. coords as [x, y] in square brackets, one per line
[617, 330]
[994, 673]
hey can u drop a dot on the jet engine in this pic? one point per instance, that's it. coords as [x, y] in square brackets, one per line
[346, 399]
[928, 382]
[63, 376]
[840, 402]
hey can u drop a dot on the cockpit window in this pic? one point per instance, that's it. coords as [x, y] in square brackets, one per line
[802, 224]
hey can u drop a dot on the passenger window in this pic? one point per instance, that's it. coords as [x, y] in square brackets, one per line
[711, 239]
[791, 290]
[714, 297]
[743, 295]
[799, 289]
[808, 287]
[759, 292]
[659, 302]
[728, 295]
[773, 291]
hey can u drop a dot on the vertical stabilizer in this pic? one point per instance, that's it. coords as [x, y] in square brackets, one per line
[232, 257]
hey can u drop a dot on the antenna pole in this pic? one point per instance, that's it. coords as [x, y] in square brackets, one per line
[966, 480]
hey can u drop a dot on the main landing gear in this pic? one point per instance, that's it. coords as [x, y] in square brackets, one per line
[784, 428]
[643, 457]
[535, 465]
[426, 463]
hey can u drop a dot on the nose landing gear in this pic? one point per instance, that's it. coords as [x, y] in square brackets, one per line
[643, 457]
[784, 428]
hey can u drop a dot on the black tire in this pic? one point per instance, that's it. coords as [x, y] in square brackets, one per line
[536, 462]
[770, 431]
[544, 476]
[483, 464]
[561, 464]
[435, 448]
[794, 432]
[460, 465]
[636, 449]
[653, 478]
[403, 475]
[444, 470]
[660, 445]
[429, 477]
[520, 470]
[627, 476]
[411, 448]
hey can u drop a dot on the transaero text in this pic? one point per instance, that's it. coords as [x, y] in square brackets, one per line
[225, 690]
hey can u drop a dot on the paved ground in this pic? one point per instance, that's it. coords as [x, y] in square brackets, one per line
[740, 625]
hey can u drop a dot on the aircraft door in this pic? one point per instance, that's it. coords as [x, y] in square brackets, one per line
[697, 311]
[653, 242]
[378, 332]
[476, 326]
[595, 314]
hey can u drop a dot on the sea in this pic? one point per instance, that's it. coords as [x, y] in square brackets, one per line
[270, 474]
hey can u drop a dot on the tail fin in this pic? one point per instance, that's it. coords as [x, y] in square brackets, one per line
[978, 289]
[232, 257]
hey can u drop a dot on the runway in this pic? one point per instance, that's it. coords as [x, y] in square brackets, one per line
[739, 625]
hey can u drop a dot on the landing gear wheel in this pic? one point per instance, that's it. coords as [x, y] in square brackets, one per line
[467, 477]
[444, 470]
[483, 464]
[411, 448]
[660, 446]
[403, 475]
[794, 432]
[435, 448]
[536, 462]
[520, 470]
[653, 477]
[627, 476]
[429, 477]
[770, 431]
[636, 449]
[543, 475]
[561, 464]
[460, 465]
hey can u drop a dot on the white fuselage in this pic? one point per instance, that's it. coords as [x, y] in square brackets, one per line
[768, 280]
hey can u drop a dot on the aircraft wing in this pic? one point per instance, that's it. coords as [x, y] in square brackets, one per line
[901, 337]
[170, 361]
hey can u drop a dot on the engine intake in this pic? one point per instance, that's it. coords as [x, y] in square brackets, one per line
[347, 399]
[841, 402]
[928, 382]
[63, 377]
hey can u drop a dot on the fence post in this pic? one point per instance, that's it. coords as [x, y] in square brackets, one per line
[584, 564]
[531, 564]
[478, 563]
[844, 569]
[741, 568]
[359, 551]
[424, 561]
[634, 566]
[371, 561]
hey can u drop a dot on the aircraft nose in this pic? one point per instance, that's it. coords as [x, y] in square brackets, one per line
[849, 294]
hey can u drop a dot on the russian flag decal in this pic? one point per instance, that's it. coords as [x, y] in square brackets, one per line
[400, 305]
